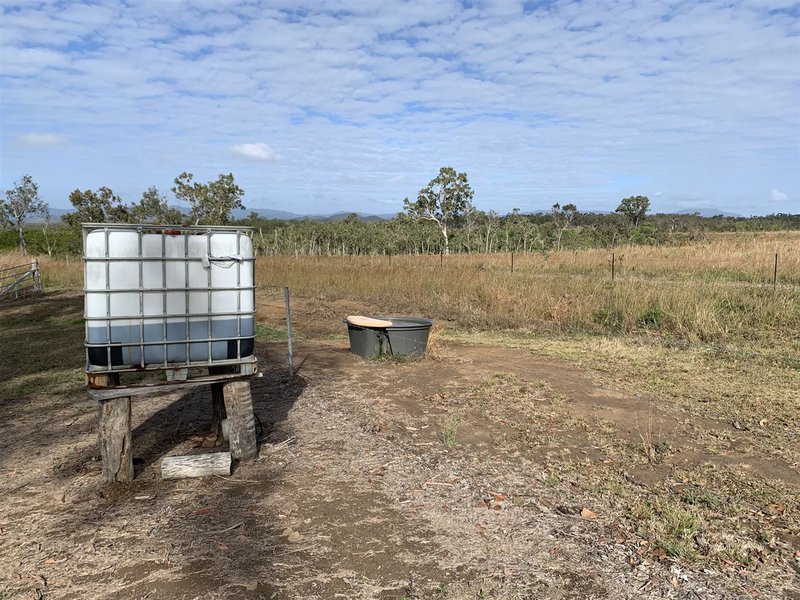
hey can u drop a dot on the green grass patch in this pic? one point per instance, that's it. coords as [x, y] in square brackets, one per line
[670, 526]
[652, 318]
[39, 323]
[398, 359]
[52, 382]
[448, 428]
[699, 497]
[273, 333]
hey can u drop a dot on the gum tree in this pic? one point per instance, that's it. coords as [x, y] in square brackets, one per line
[102, 206]
[211, 203]
[634, 209]
[562, 219]
[445, 199]
[21, 202]
[153, 208]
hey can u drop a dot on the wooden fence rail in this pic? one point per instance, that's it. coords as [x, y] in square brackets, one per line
[20, 281]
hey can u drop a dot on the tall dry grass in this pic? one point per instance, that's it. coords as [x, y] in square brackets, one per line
[735, 257]
[490, 298]
[715, 290]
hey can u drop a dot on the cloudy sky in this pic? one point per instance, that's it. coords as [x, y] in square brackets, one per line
[322, 106]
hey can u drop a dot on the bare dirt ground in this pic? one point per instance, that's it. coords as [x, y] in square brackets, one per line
[478, 472]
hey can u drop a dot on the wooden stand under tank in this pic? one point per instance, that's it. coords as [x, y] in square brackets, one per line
[231, 399]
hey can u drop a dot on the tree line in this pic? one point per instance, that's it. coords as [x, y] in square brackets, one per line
[487, 232]
[442, 219]
[210, 203]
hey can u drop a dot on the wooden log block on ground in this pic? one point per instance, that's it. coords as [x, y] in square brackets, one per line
[226, 429]
[196, 465]
[115, 439]
[241, 421]
[114, 429]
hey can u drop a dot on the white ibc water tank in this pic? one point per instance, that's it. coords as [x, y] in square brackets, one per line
[156, 297]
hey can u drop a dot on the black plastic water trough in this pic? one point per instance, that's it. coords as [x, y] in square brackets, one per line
[407, 336]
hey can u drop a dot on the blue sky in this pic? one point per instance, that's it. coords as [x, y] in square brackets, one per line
[318, 107]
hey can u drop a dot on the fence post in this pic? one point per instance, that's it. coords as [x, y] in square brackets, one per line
[289, 330]
[613, 265]
[37, 275]
[775, 273]
[512, 262]
[441, 259]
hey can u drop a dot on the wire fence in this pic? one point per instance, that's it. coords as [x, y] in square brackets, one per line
[279, 320]
[774, 270]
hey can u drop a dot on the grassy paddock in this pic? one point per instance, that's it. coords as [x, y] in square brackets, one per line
[717, 290]
[712, 481]
[723, 257]
[493, 300]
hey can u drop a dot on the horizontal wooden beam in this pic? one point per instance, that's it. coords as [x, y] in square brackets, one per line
[107, 393]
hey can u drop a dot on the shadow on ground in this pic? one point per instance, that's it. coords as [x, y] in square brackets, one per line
[48, 423]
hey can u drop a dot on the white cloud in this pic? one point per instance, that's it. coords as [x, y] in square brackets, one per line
[779, 196]
[539, 102]
[42, 139]
[257, 151]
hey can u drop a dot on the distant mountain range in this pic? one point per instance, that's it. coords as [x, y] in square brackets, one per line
[269, 213]
[56, 214]
[706, 212]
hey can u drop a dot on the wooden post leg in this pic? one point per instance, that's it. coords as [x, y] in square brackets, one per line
[115, 439]
[218, 413]
[239, 406]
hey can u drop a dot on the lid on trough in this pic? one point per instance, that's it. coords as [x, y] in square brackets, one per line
[360, 321]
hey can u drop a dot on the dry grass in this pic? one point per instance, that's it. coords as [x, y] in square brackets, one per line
[712, 291]
[722, 257]
[716, 290]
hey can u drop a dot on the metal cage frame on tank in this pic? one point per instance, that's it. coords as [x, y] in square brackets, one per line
[205, 351]
[201, 344]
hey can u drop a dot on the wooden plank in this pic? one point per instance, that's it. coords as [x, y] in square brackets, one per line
[361, 321]
[100, 393]
[115, 440]
[241, 420]
[197, 465]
